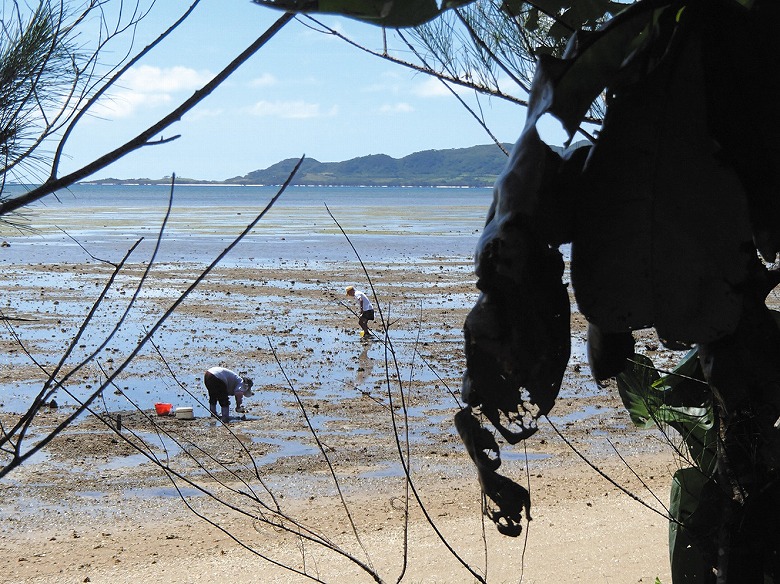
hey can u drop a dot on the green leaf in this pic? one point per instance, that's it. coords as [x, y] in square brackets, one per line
[695, 503]
[680, 400]
[560, 31]
[513, 6]
[553, 6]
[532, 20]
[392, 13]
[664, 229]
[383, 12]
[633, 386]
[589, 65]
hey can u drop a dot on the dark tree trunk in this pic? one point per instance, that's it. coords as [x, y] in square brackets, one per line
[743, 371]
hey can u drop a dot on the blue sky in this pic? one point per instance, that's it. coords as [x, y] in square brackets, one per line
[303, 93]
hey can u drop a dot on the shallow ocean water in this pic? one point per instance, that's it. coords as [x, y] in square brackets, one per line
[432, 231]
[107, 220]
[390, 229]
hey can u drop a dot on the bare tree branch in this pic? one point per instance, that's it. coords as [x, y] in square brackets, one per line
[143, 139]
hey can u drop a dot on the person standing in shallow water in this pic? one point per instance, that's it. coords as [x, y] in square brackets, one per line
[365, 310]
[221, 383]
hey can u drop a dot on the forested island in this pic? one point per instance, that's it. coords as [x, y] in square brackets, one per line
[477, 166]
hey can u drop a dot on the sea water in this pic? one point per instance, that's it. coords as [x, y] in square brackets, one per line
[384, 223]
[307, 227]
[192, 226]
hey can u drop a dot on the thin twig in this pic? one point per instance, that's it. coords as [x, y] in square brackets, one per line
[19, 458]
[468, 108]
[640, 479]
[403, 461]
[605, 476]
[422, 69]
[367, 567]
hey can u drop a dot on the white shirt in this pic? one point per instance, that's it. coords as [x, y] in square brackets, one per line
[363, 301]
[233, 382]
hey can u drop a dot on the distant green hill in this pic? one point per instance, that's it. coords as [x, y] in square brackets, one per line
[477, 166]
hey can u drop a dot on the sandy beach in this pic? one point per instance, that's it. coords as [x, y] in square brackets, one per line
[166, 500]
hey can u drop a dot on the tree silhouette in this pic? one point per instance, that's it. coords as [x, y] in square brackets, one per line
[669, 213]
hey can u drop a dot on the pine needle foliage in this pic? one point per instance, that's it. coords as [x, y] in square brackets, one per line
[38, 70]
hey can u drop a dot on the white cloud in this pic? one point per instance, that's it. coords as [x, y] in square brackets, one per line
[124, 104]
[265, 80]
[148, 79]
[147, 87]
[389, 83]
[297, 109]
[433, 87]
[204, 113]
[396, 108]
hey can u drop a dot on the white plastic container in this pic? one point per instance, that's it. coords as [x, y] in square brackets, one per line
[184, 414]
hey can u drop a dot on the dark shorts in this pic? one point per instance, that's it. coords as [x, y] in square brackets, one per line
[217, 390]
[367, 315]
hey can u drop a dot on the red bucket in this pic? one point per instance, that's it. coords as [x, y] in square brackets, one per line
[163, 409]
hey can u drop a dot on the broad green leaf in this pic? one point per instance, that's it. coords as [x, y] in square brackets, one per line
[633, 386]
[694, 501]
[392, 13]
[454, 3]
[532, 20]
[589, 65]
[584, 14]
[513, 6]
[559, 31]
[663, 233]
[680, 400]
[384, 12]
[553, 6]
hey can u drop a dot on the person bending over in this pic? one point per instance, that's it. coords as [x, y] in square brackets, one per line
[221, 383]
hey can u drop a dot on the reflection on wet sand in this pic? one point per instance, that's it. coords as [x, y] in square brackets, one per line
[365, 366]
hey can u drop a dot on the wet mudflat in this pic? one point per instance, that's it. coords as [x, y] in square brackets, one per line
[293, 332]
[117, 495]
